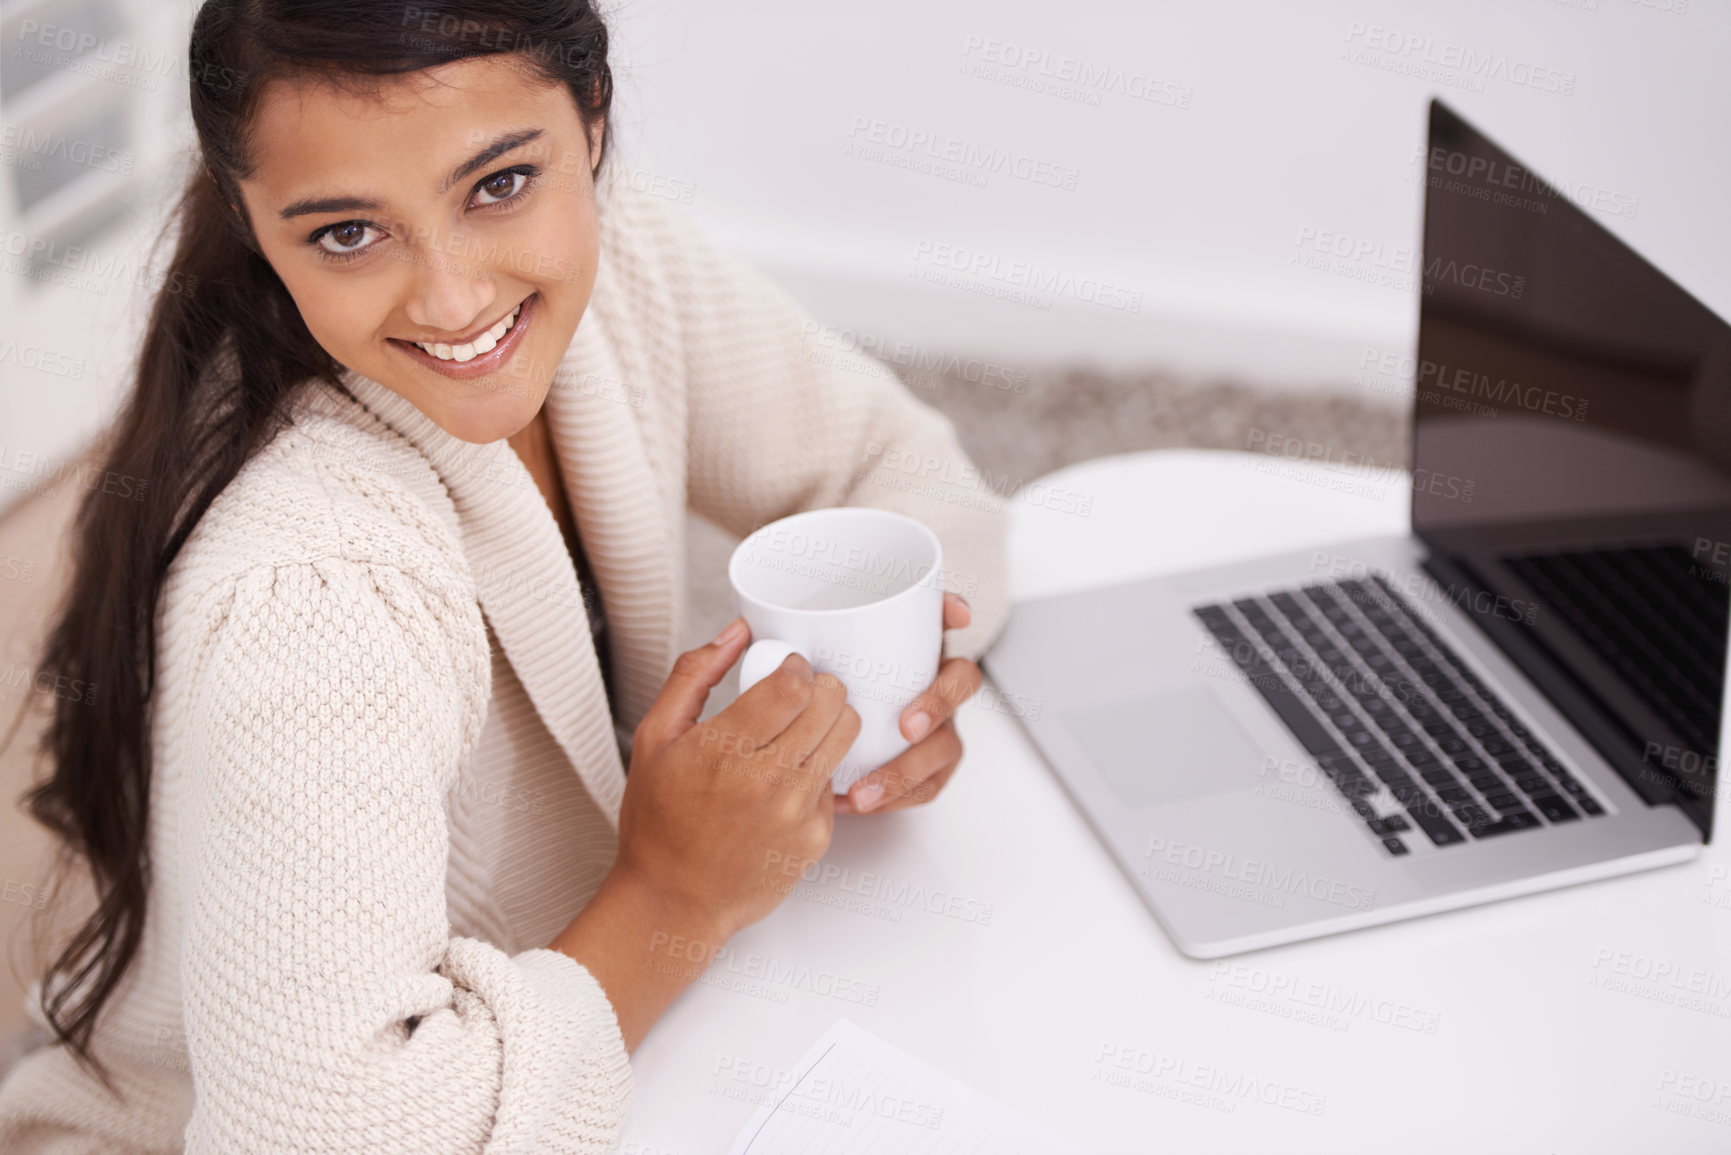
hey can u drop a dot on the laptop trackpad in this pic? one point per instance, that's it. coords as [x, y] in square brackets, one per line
[1167, 747]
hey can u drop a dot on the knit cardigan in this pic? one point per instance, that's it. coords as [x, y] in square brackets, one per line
[385, 773]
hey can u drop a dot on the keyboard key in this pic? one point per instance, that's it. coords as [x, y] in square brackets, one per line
[1504, 802]
[1519, 820]
[1359, 737]
[1395, 846]
[1393, 775]
[1472, 816]
[1554, 808]
[1589, 806]
[1356, 785]
[1393, 824]
[1337, 765]
[1439, 829]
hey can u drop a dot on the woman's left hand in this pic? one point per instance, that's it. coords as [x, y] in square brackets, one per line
[919, 772]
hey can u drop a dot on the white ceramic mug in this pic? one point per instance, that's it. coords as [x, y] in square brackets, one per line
[859, 593]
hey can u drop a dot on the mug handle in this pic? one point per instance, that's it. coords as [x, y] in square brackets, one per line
[761, 659]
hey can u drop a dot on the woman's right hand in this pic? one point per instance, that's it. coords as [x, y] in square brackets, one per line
[719, 815]
[718, 819]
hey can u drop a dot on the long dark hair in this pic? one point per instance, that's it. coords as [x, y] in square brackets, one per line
[224, 354]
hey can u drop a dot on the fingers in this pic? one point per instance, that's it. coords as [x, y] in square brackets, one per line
[912, 777]
[834, 747]
[919, 795]
[686, 691]
[795, 744]
[758, 716]
[956, 611]
[956, 682]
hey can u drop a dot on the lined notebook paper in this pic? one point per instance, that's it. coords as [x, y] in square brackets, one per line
[854, 1094]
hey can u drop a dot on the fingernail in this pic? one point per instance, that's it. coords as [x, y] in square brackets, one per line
[867, 795]
[918, 724]
[735, 630]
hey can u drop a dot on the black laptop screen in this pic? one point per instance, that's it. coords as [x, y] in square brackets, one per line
[1572, 460]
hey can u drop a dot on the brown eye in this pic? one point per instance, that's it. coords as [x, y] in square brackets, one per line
[347, 238]
[501, 186]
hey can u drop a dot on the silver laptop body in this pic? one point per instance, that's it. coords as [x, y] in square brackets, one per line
[1168, 707]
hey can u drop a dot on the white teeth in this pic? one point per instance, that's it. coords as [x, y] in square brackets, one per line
[482, 344]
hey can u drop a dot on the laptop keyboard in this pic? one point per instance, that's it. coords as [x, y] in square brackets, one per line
[1406, 732]
[1651, 618]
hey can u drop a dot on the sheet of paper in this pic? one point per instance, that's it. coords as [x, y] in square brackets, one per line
[854, 1094]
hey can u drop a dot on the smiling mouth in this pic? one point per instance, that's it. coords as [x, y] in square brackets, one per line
[481, 354]
[482, 344]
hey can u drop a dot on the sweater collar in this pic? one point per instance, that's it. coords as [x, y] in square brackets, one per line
[524, 575]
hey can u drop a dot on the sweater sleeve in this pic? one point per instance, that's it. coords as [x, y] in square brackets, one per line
[783, 417]
[328, 1006]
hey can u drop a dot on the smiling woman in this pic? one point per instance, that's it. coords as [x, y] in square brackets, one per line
[399, 293]
[420, 433]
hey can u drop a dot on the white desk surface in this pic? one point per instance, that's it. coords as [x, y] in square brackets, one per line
[1592, 1019]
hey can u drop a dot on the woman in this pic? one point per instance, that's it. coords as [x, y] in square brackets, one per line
[420, 427]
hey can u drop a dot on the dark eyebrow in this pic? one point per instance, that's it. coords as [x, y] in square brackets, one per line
[493, 151]
[498, 148]
[329, 205]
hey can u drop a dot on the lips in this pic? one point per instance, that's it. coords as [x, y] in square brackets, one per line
[483, 363]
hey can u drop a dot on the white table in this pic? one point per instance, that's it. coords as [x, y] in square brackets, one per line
[1532, 1025]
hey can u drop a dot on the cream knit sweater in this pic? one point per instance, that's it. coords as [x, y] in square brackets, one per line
[385, 773]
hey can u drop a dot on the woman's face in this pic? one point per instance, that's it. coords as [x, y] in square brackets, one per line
[409, 226]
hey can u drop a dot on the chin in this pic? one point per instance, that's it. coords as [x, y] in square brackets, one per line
[479, 411]
[490, 414]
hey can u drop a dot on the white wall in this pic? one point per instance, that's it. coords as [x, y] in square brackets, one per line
[1259, 129]
[75, 279]
[1262, 129]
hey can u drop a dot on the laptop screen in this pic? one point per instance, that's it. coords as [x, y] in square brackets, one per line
[1572, 459]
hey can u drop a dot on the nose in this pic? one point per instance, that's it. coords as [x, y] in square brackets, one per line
[448, 297]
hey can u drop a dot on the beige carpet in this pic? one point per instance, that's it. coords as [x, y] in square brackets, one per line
[1051, 419]
[1058, 417]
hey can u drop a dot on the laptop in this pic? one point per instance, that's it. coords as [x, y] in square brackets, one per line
[1522, 694]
